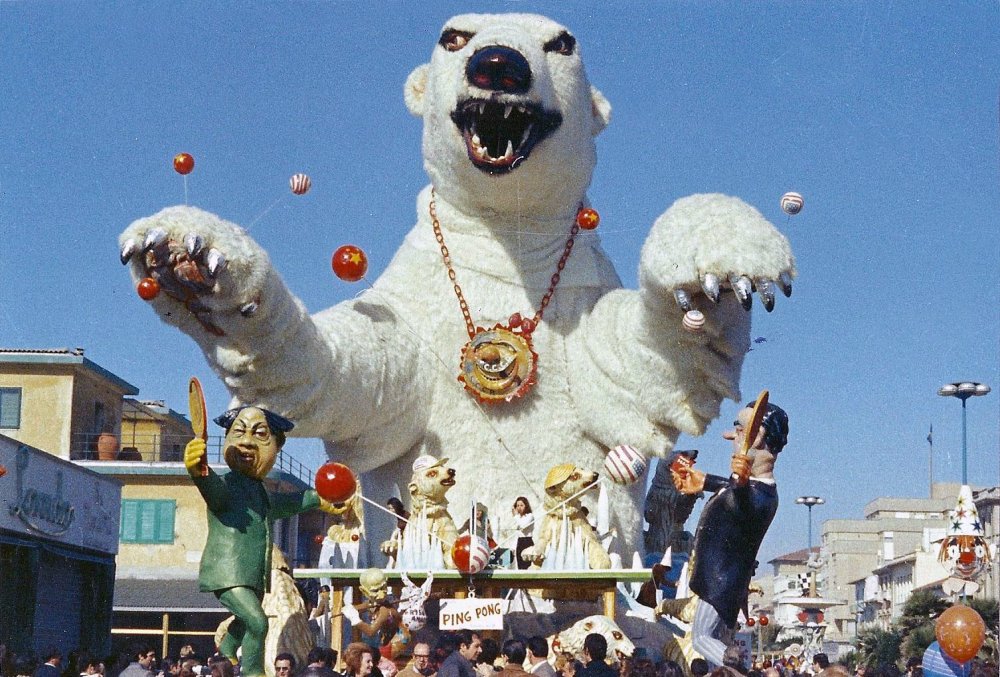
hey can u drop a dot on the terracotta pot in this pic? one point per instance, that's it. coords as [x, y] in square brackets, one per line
[107, 447]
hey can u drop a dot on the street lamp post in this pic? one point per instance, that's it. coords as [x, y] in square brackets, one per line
[809, 502]
[963, 390]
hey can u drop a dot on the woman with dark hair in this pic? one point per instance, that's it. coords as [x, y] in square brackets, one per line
[359, 659]
[524, 525]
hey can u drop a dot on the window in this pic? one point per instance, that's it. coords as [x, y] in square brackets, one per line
[10, 407]
[147, 521]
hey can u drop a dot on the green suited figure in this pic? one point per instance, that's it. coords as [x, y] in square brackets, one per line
[236, 562]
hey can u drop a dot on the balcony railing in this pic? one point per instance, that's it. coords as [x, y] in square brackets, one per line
[149, 448]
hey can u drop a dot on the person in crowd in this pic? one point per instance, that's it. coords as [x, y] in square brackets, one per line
[321, 660]
[524, 527]
[489, 655]
[284, 665]
[459, 663]
[52, 667]
[420, 663]
[514, 653]
[359, 659]
[643, 667]
[669, 668]
[595, 650]
[538, 651]
[223, 668]
[699, 668]
[442, 649]
[482, 523]
[90, 666]
[396, 507]
[571, 668]
[141, 658]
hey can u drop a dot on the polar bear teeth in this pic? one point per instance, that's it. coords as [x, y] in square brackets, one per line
[499, 135]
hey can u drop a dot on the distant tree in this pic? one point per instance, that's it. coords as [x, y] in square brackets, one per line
[877, 646]
[989, 609]
[922, 607]
[917, 640]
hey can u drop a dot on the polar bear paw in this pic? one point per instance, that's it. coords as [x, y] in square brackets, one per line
[206, 264]
[715, 243]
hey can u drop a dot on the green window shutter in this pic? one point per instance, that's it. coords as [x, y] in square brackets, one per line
[165, 522]
[10, 407]
[130, 517]
[147, 521]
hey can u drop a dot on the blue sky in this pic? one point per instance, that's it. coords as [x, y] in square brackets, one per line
[883, 115]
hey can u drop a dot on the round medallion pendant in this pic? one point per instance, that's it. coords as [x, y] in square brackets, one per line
[498, 364]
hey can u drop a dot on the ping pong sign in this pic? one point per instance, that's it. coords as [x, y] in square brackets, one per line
[472, 613]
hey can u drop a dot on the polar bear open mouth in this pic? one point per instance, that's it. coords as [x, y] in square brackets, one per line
[500, 135]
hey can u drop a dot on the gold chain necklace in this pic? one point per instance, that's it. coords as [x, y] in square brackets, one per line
[500, 364]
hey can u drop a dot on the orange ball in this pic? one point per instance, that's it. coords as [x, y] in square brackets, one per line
[961, 632]
[764, 620]
[147, 289]
[349, 263]
[335, 482]
[183, 163]
[751, 622]
[588, 219]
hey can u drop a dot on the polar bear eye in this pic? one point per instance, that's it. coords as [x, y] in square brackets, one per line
[454, 40]
[564, 44]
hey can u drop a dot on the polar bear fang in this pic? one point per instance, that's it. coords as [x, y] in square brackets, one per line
[499, 135]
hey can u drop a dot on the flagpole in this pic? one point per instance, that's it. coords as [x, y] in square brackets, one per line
[930, 461]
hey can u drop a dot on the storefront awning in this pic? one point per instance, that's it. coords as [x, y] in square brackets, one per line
[164, 596]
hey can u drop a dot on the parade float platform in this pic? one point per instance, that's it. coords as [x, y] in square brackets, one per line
[581, 584]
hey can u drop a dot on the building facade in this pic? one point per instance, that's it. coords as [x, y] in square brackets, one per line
[69, 408]
[58, 541]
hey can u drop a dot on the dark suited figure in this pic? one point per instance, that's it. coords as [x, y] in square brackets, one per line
[731, 528]
[236, 562]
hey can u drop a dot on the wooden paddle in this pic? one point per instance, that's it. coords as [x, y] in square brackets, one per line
[199, 419]
[753, 427]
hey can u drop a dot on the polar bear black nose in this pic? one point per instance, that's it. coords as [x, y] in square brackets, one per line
[500, 69]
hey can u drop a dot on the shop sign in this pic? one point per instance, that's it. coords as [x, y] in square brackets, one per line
[471, 613]
[45, 496]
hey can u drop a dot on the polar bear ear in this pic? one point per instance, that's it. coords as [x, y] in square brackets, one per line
[601, 108]
[413, 488]
[416, 86]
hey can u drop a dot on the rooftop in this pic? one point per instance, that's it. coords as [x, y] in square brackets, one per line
[64, 356]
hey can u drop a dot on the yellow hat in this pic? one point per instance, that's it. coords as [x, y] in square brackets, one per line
[558, 475]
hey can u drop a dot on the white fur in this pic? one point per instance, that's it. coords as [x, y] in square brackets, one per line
[375, 376]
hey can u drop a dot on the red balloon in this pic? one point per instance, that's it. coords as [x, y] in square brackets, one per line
[318, 539]
[147, 289]
[349, 263]
[751, 622]
[763, 620]
[183, 163]
[961, 632]
[335, 482]
[588, 219]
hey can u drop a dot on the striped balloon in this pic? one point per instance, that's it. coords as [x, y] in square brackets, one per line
[300, 183]
[470, 553]
[694, 321]
[791, 203]
[624, 464]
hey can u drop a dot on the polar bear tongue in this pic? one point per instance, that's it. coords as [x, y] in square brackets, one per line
[500, 135]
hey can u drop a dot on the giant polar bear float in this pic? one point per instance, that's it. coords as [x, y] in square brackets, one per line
[509, 121]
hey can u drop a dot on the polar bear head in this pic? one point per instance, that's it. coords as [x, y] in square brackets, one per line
[509, 115]
[570, 640]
